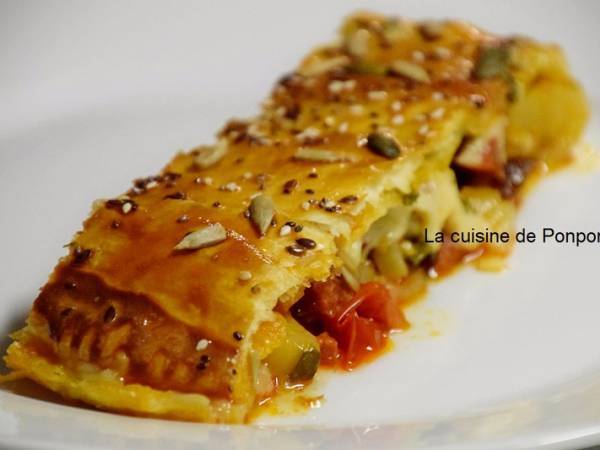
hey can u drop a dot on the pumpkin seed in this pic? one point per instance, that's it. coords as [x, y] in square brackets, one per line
[492, 62]
[320, 155]
[383, 145]
[262, 212]
[320, 65]
[368, 67]
[209, 156]
[204, 237]
[410, 70]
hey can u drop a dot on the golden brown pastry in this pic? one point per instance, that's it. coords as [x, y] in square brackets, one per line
[296, 239]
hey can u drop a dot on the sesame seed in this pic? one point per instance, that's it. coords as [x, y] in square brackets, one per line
[247, 175]
[204, 180]
[238, 336]
[442, 52]
[319, 247]
[255, 289]
[285, 230]
[230, 187]
[313, 173]
[336, 86]
[325, 203]
[305, 206]
[306, 243]
[343, 127]
[289, 186]
[126, 208]
[308, 133]
[477, 99]
[397, 105]
[437, 96]
[179, 195]
[298, 228]
[357, 110]
[203, 363]
[245, 275]
[349, 199]
[418, 56]
[151, 184]
[377, 95]
[295, 250]
[424, 129]
[397, 119]
[183, 218]
[438, 113]
[362, 141]
[329, 121]
[466, 63]
[309, 191]
[110, 314]
[202, 344]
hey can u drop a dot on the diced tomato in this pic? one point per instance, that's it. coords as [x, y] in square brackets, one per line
[378, 304]
[359, 337]
[330, 353]
[491, 162]
[357, 322]
[449, 256]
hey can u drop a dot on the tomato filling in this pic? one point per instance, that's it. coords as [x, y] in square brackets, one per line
[449, 257]
[350, 326]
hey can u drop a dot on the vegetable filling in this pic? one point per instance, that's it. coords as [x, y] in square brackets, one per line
[350, 326]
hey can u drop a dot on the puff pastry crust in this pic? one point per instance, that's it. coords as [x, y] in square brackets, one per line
[374, 122]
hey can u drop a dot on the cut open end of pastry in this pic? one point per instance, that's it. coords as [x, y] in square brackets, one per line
[385, 160]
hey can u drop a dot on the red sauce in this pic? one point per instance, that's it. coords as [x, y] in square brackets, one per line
[351, 326]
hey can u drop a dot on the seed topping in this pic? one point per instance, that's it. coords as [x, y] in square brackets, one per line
[202, 344]
[306, 243]
[232, 186]
[295, 250]
[383, 145]
[262, 212]
[349, 199]
[238, 336]
[245, 275]
[203, 363]
[109, 314]
[209, 156]
[207, 236]
[410, 70]
[81, 255]
[289, 186]
[321, 155]
[285, 230]
[179, 195]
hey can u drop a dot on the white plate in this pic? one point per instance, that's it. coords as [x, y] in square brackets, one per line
[95, 94]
